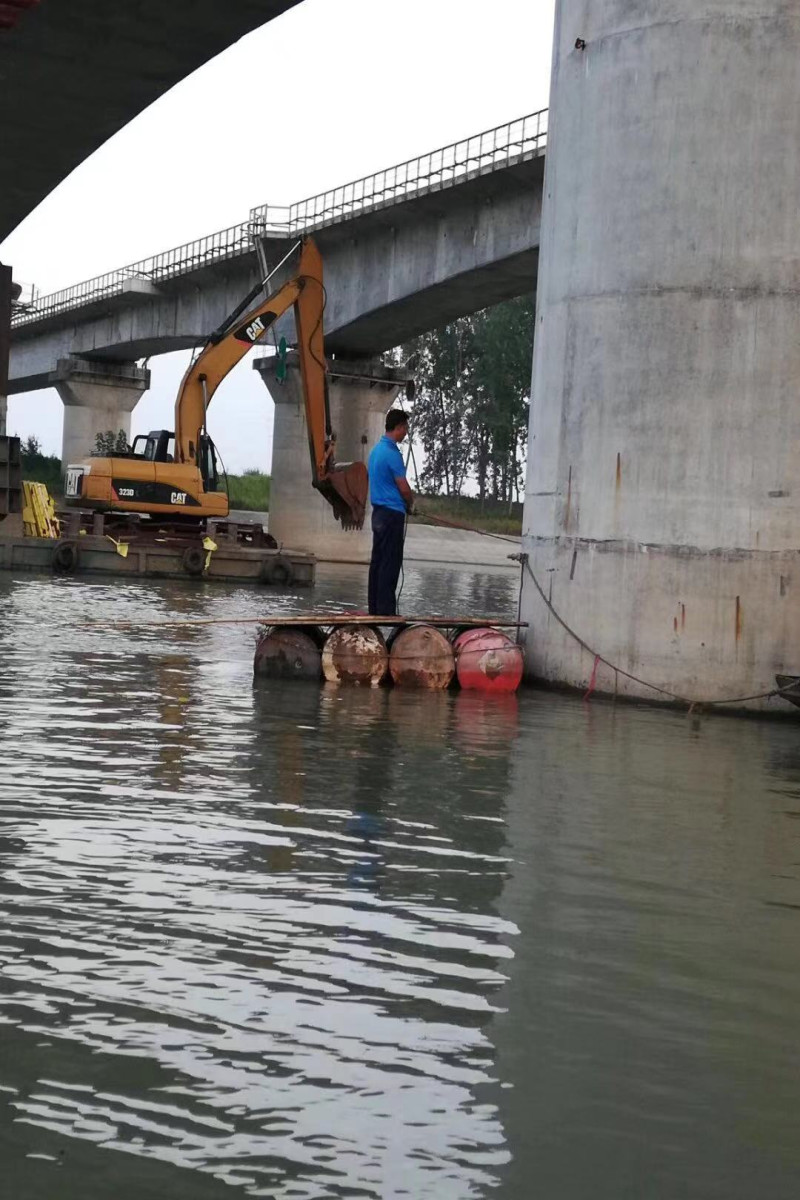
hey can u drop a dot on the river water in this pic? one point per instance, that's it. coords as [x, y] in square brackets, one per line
[302, 942]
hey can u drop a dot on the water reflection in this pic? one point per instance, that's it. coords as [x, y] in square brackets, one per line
[317, 942]
[654, 986]
[244, 938]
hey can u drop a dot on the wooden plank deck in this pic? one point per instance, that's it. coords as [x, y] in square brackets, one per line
[334, 619]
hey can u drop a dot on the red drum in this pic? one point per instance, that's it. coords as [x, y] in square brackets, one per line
[487, 661]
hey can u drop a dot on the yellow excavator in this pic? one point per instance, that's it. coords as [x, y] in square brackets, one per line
[176, 476]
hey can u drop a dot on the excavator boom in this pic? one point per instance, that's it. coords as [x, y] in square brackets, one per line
[344, 486]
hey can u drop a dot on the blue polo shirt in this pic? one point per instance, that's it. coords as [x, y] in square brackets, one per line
[384, 466]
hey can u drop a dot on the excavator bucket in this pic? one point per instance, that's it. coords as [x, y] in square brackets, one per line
[346, 487]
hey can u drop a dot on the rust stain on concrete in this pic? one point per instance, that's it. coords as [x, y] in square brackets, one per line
[569, 499]
[683, 616]
[619, 471]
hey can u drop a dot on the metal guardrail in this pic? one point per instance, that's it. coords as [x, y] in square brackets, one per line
[226, 243]
[492, 150]
[180, 260]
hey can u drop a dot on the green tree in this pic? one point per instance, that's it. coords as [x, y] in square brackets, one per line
[40, 468]
[502, 376]
[442, 406]
[471, 406]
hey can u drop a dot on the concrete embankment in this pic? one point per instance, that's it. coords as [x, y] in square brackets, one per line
[450, 547]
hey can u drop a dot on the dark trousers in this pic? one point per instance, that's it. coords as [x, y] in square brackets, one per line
[388, 535]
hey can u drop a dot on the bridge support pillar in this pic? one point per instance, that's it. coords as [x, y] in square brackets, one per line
[662, 504]
[98, 398]
[361, 393]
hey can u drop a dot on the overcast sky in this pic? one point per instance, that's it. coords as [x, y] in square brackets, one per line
[329, 92]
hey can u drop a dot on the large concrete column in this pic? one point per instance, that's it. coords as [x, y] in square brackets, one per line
[662, 510]
[361, 393]
[98, 398]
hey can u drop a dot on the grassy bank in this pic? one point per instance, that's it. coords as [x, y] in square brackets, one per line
[493, 515]
[249, 491]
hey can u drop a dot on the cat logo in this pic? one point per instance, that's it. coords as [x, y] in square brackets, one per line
[178, 498]
[255, 330]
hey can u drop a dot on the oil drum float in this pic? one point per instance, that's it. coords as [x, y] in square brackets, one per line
[355, 654]
[289, 653]
[421, 657]
[487, 661]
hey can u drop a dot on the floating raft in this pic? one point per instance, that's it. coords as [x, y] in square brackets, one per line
[476, 653]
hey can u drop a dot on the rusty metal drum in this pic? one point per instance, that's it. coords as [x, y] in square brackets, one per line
[421, 657]
[487, 660]
[289, 653]
[355, 654]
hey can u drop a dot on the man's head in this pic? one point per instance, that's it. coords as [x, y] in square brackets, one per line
[396, 424]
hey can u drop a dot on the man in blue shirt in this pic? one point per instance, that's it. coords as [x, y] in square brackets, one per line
[392, 499]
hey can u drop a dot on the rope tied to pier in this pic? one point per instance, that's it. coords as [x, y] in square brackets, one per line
[692, 704]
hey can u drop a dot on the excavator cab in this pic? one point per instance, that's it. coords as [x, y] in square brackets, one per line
[159, 446]
[156, 446]
[209, 470]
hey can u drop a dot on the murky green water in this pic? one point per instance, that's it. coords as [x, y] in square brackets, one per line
[301, 942]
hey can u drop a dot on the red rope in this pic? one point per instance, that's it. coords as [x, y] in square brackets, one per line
[593, 680]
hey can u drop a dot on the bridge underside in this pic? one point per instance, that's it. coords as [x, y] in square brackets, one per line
[72, 74]
[457, 296]
[391, 273]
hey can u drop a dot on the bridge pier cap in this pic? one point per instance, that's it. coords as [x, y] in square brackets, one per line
[97, 397]
[662, 508]
[361, 392]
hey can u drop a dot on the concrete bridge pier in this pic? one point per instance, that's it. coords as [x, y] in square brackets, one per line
[662, 509]
[97, 397]
[361, 393]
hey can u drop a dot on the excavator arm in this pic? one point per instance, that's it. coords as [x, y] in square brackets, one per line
[344, 486]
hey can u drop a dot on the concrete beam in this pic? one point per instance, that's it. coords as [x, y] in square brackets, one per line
[390, 274]
[98, 399]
